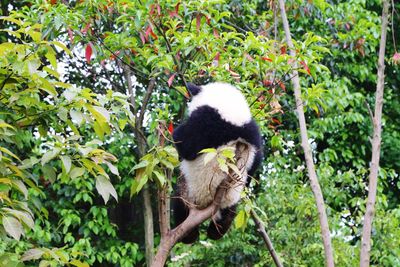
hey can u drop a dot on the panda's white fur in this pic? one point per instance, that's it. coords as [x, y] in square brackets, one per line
[226, 99]
[203, 180]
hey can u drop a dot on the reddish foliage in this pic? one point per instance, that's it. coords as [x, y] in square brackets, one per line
[283, 50]
[216, 34]
[198, 21]
[305, 67]
[267, 82]
[71, 35]
[171, 79]
[85, 30]
[266, 59]
[396, 58]
[88, 52]
[170, 128]
[216, 59]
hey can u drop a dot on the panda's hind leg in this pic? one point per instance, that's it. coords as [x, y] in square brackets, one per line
[218, 227]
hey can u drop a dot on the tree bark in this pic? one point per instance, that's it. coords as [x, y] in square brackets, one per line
[148, 225]
[142, 143]
[376, 144]
[196, 217]
[267, 240]
[316, 189]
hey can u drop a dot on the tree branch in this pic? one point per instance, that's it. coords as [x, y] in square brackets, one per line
[376, 144]
[315, 187]
[197, 216]
[267, 240]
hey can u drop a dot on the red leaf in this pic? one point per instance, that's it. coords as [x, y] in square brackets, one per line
[282, 85]
[171, 79]
[53, 2]
[267, 82]
[158, 9]
[148, 30]
[177, 8]
[305, 67]
[249, 58]
[283, 50]
[396, 58]
[216, 33]
[88, 52]
[142, 37]
[85, 30]
[216, 60]
[266, 59]
[276, 121]
[208, 20]
[71, 35]
[198, 20]
[170, 128]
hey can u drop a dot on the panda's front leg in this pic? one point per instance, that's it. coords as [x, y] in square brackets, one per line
[220, 225]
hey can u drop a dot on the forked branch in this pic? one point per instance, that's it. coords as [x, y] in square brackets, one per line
[170, 237]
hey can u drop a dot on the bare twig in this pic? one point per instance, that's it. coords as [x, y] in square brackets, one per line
[267, 240]
[376, 144]
[316, 189]
[197, 216]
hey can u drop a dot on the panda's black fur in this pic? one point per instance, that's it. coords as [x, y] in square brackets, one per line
[213, 122]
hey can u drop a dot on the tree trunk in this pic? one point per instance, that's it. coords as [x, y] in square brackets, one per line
[316, 189]
[148, 225]
[376, 145]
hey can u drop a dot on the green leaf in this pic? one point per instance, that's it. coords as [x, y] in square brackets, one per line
[228, 152]
[20, 186]
[112, 168]
[62, 46]
[276, 141]
[76, 172]
[23, 216]
[78, 263]
[32, 254]
[105, 188]
[137, 185]
[49, 173]
[13, 227]
[240, 219]
[208, 150]
[140, 165]
[66, 160]
[76, 116]
[160, 178]
[49, 155]
[5, 150]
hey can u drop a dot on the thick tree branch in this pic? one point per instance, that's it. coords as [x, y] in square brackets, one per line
[267, 240]
[316, 189]
[376, 144]
[196, 217]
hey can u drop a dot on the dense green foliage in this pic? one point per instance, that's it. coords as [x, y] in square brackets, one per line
[76, 112]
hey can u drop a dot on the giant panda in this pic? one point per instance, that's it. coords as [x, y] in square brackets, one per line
[219, 116]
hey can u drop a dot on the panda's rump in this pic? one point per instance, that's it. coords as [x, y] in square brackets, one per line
[203, 180]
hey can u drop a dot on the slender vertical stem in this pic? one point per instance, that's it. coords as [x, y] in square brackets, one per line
[267, 240]
[376, 144]
[315, 187]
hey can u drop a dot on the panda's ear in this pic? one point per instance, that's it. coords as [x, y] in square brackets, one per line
[194, 89]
